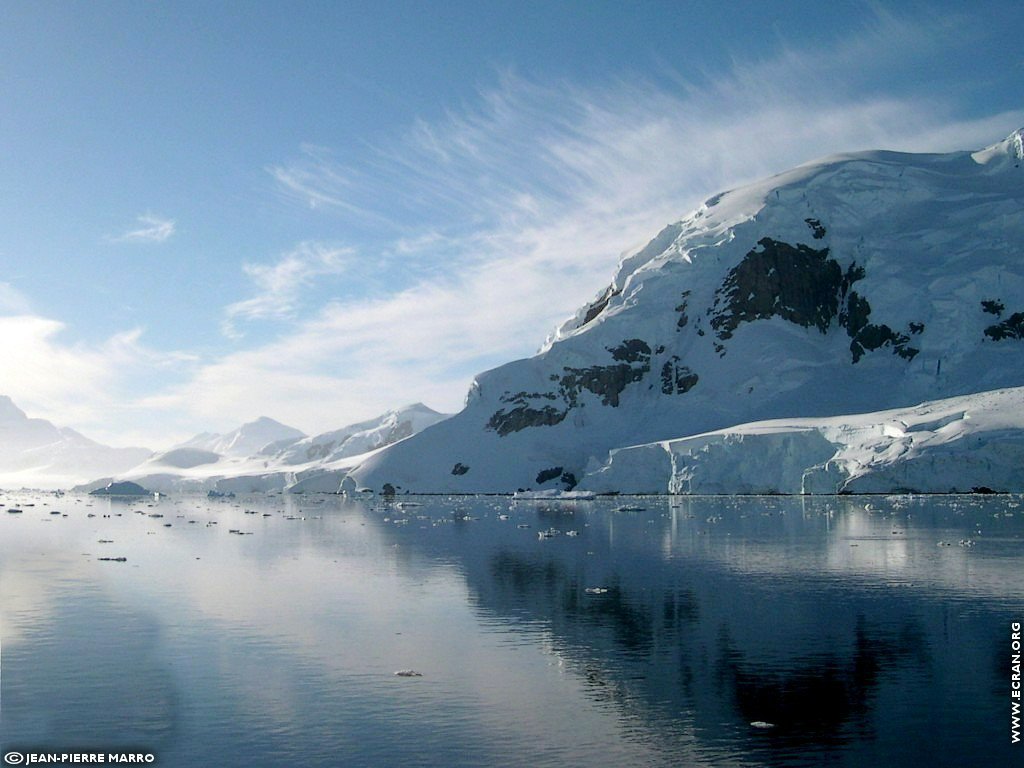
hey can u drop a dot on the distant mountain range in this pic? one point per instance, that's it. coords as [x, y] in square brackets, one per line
[265, 455]
[35, 453]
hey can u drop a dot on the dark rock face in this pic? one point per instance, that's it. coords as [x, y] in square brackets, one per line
[598, 306]
[632, 351]
[797, 283]
[867, 337]
[677, 379]
[568, 479]
[804, 286]
[992, 307]
[605, 381]
[522, 416]
[1011, 328]
[608, 381]
[817, 228]
[681, 309]
[548, 474]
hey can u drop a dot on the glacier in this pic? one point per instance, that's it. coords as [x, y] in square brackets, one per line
[968, 444]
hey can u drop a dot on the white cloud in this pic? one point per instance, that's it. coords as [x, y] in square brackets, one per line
[13, 301]
[152, 229]
[91, 387]
[498, 221]
[280, 285]
[526, 200]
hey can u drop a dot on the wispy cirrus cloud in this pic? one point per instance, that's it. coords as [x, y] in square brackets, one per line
[151, 229]
[494, 223]
[318, 180]
[280, 285]
[514, 210]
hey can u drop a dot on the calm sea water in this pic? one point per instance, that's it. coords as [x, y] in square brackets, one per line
[266, 631]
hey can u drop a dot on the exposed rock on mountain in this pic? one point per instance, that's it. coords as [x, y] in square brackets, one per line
[858, 283]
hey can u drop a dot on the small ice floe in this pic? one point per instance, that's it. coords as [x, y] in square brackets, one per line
[572, 533]
[503, 517]
[550, 533]
[966, 542]
[406, 504]
[553, 494]
[595, 590]
[408, 673]
[761, 724]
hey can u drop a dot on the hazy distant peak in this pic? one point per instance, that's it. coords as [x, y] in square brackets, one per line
[9, 411]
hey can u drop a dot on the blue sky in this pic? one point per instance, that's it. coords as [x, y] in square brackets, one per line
[318, 211]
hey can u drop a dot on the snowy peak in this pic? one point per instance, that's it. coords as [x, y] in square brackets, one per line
[247, 440]
[252, 437]
[857, 283]
[35, 453]
[365, 436]
[9, 412]
[1004, 154]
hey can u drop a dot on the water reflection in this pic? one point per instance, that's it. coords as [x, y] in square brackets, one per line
[847, 630]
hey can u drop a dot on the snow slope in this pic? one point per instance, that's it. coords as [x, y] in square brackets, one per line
[35, 453]
[266, 455]
[859, 283]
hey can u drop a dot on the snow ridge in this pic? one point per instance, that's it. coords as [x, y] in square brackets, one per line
[862, 282]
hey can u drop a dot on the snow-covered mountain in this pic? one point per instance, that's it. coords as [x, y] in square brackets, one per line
[859, 283]
[360, 438]
[248, 439]
[266, 455]
[35, 453]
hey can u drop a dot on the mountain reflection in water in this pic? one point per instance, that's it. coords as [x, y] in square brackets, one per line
[696, 631]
